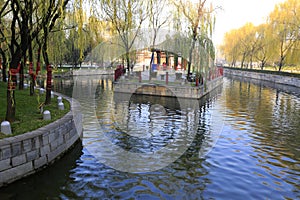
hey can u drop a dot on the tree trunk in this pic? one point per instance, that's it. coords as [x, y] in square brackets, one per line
[21, 74]
[251, 62]
[49, 70]
[11, 87]
[128, 61]
[32, 79]
[38, 62]
[49, 85]
[175, 61]
[15, 53]
[243, 60]
[281, 64]
[11, 104]
[263, 63]
[31, 70]
[190, 57]
[4, 66]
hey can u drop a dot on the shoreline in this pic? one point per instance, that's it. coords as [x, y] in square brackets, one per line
[28, 153]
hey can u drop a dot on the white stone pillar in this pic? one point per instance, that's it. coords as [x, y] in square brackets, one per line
[42, 90]
[59, 99]
[61, 106]
[46, 115]
[6, 128]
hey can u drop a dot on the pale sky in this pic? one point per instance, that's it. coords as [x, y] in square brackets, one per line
[236, 13]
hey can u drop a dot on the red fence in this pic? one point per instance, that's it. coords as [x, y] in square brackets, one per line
[119, 72]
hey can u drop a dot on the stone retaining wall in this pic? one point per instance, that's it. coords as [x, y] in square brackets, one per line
[25, 154]
[89, 72]
[287, 80]
[166, 90]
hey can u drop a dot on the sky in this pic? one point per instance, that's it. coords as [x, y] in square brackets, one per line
[236, 13]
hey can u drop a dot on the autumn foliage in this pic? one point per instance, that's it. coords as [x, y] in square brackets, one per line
[274, 43]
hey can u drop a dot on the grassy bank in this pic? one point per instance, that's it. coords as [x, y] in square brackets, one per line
[28, 116]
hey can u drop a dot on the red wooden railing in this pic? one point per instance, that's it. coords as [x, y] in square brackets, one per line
[119, 72]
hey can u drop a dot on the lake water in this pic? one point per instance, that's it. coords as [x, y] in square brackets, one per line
[241, 141]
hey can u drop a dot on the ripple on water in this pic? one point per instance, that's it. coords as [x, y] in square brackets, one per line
[256, 154]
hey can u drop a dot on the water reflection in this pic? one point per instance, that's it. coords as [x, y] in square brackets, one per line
[138, 133]
[264, 128]
[256, 155]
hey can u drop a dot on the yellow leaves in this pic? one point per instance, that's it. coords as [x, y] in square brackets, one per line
[276, 40]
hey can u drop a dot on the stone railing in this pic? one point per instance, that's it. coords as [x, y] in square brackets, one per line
[27, 153]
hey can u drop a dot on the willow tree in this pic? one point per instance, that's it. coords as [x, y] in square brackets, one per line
[20, 32]
[126, 18]
[94, 32]
[247, 41]
[26, 20]
[264, 51]
[15, 51]
[58, 49]
[52, 10]
[284, 20]
[230, 47]
[199, 19]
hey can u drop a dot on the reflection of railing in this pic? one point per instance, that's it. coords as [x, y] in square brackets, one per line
[119, 72]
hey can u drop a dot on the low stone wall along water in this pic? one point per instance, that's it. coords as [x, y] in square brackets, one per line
[27, 153]
[281, 79]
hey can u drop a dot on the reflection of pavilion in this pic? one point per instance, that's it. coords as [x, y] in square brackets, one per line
[148, 123]
[124, 123]
[177, 118]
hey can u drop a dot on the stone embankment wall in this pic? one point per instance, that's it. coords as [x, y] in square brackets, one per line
[89, 72]
[179, 91]
[281, 79]
[27, 153]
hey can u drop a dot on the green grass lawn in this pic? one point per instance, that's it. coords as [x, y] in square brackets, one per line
[28, 116]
